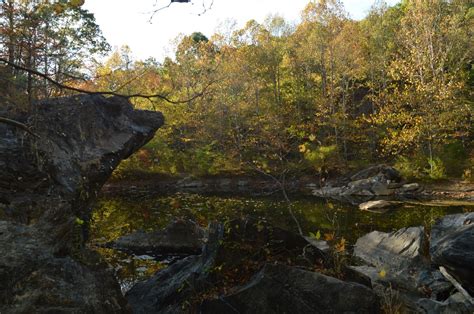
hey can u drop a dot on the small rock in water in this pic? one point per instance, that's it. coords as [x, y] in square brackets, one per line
[380, 206]
[411, 187]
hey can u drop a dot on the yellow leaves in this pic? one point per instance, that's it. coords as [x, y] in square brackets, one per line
[76, 3]
[79, 221]
[340, 246]
[58, 8]
[175, 203]
[316, 235]
[329, 236]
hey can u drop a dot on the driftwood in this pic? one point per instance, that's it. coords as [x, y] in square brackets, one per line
[18, 125]
[456, 284]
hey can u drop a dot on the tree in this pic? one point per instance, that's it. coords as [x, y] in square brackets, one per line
[424, 105]
[57, 39]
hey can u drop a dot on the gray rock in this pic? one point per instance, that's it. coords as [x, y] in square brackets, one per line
[401, 256]
[374, 181]
[320, 244]
[357, 191]
[382, 189]
[283, 289]
[454, 304]
[411, 187]
[448, 225]
[38, 279]
[379, 206]
[388, 172]
[361, 184]
[48, 185]
[179, 237]
[396, 250]
[328, 191]
[452, 246]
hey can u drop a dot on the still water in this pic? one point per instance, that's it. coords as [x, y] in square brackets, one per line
[116, 216]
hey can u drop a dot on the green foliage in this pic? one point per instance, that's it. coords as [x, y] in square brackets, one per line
[409, 168]
[59, 39]
[436, 169]
[418, 167]
[455, 158]
[320, 157]
[316, 235]
[327, 93]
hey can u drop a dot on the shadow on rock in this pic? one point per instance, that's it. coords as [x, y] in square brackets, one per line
[47, 186]
[245, 258]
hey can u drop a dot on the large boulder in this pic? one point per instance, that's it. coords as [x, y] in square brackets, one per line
[400, 261]
[456, 303]
[452, 246]
[387, 172]
[394, 251]
[373, 182]
[397, 261]
[284, 289]
[47, 186]
[35, 279]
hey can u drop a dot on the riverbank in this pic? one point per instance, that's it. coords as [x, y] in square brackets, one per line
[257, 184]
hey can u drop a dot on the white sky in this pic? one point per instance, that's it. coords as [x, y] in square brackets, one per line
[127, 21]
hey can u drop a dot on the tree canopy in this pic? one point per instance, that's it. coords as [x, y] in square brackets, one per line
[327, 94]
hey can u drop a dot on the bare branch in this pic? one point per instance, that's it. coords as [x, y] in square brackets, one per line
[206, 8]
[281, 184]
[18, 125]
[456, 284]
[107, 93]
[165, 7]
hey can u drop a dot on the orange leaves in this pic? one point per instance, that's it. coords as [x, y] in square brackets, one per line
[76, 3]
[340, 246]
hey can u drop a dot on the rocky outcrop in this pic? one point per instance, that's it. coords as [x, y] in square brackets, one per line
[284, 289]
[396, 250]
[400, 261]
[452, 246]
[36, 279]
[377, 181]
[179, 237]
[243, 258]
[47, 185]
[454, 304]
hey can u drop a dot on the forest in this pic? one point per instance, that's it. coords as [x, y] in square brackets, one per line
[318, 166]
[327, 95]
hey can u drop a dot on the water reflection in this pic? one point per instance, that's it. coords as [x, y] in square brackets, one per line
[119, 215]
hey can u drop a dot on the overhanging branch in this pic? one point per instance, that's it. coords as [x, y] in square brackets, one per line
[107, 93]
[18, 125]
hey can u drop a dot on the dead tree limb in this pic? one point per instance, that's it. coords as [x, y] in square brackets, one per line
[107, 93]
[18, 125]
[456, 284]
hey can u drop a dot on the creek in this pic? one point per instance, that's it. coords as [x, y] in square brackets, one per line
[118, 215]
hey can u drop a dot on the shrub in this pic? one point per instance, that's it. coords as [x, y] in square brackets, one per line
[436, 170]
[409, 168]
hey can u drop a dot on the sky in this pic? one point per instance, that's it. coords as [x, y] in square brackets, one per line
[127, 22]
